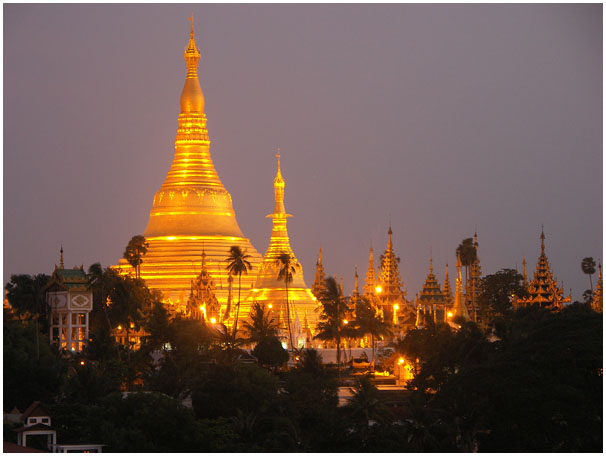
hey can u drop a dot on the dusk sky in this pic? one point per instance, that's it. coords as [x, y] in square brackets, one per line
[446, 119]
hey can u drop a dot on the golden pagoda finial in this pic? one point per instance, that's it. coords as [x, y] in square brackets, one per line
[191, 19]
[319, 262]
[542, 240]
[61, 257]
[430, 261]
[192, 99]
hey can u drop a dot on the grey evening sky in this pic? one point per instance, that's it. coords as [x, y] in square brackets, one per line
[446, 118]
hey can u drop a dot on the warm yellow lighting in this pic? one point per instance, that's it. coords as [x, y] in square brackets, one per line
[378, 289]
[345, 322]
[171, 238]
[132, 325]
[449, 314]
[213, 320]
[401, 361]
[396, 307]
[119, 328]
[270, 306]
[313, 298]
[201, 308]
[82, 363]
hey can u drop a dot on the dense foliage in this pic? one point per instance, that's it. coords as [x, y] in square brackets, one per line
[532, 383]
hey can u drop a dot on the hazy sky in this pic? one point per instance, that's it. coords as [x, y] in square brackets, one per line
[446, 118]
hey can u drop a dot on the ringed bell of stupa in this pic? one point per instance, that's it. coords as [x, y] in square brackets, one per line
[270, 291]
[192, 211]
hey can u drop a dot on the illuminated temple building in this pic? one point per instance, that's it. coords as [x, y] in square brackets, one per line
[543, 290]
[430, 302]
[192, 211]
[270, 291]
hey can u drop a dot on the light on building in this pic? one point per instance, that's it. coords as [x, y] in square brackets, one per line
[378, 289]
[345, 322]
[449, 314]
[82, 363]
[270, 306]
[400, 361]
[213, 320]
[396, 307]
[119, 328]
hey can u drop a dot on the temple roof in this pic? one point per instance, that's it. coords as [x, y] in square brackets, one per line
[543, 289]
[431, 292]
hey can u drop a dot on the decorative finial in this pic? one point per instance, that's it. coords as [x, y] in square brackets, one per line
[542, 240]
[319, 257]
[430, 262]
[191, 19]
[61, 259]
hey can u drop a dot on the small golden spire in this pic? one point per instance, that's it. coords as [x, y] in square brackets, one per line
[61, 258]
[542, 241]
[191, 19]
[430, 262]
[319, 262]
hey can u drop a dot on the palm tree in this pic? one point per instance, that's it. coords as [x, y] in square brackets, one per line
[134, 252]
[261, 325]
[588, 267]
[288, 266]
[366, 404]
[334, 308]
[468, 255]
[368, 322]
[238, 264]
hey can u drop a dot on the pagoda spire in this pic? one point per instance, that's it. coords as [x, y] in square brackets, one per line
[371, 280]
[447, 290]
[191, 207]
[390, 281]
[356, 288]
[597, 301]
[459, 309]
[61, 266]
[320, 280]
[524, 274]
[268, 288]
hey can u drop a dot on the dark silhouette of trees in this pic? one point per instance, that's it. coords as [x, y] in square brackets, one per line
[468, 255]
[334, 312]
[288, 266]
[238, 264]
[368, 322]
[588, 267]
[260, 325]
[270, 353]
[134, 252]
[497, 292]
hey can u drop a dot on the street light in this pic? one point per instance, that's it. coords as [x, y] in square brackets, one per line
[378, 289]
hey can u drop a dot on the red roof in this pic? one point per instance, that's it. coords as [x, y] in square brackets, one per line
[10, 447]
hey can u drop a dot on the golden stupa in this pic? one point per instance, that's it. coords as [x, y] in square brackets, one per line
[271, 292]
[192, 212]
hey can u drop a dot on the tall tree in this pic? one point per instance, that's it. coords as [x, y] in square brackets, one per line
[368, 322]
[134, 252]
[498, 290]
[261, 324]
[238, 264]
[334, 312]
[288, 266]
[588, 267]
[468, 255]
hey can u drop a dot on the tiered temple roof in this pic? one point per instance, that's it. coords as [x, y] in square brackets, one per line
[268, 289]
[430, 301]
[203, 303]
[192, 209]
[389, 280]
[543, 289]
